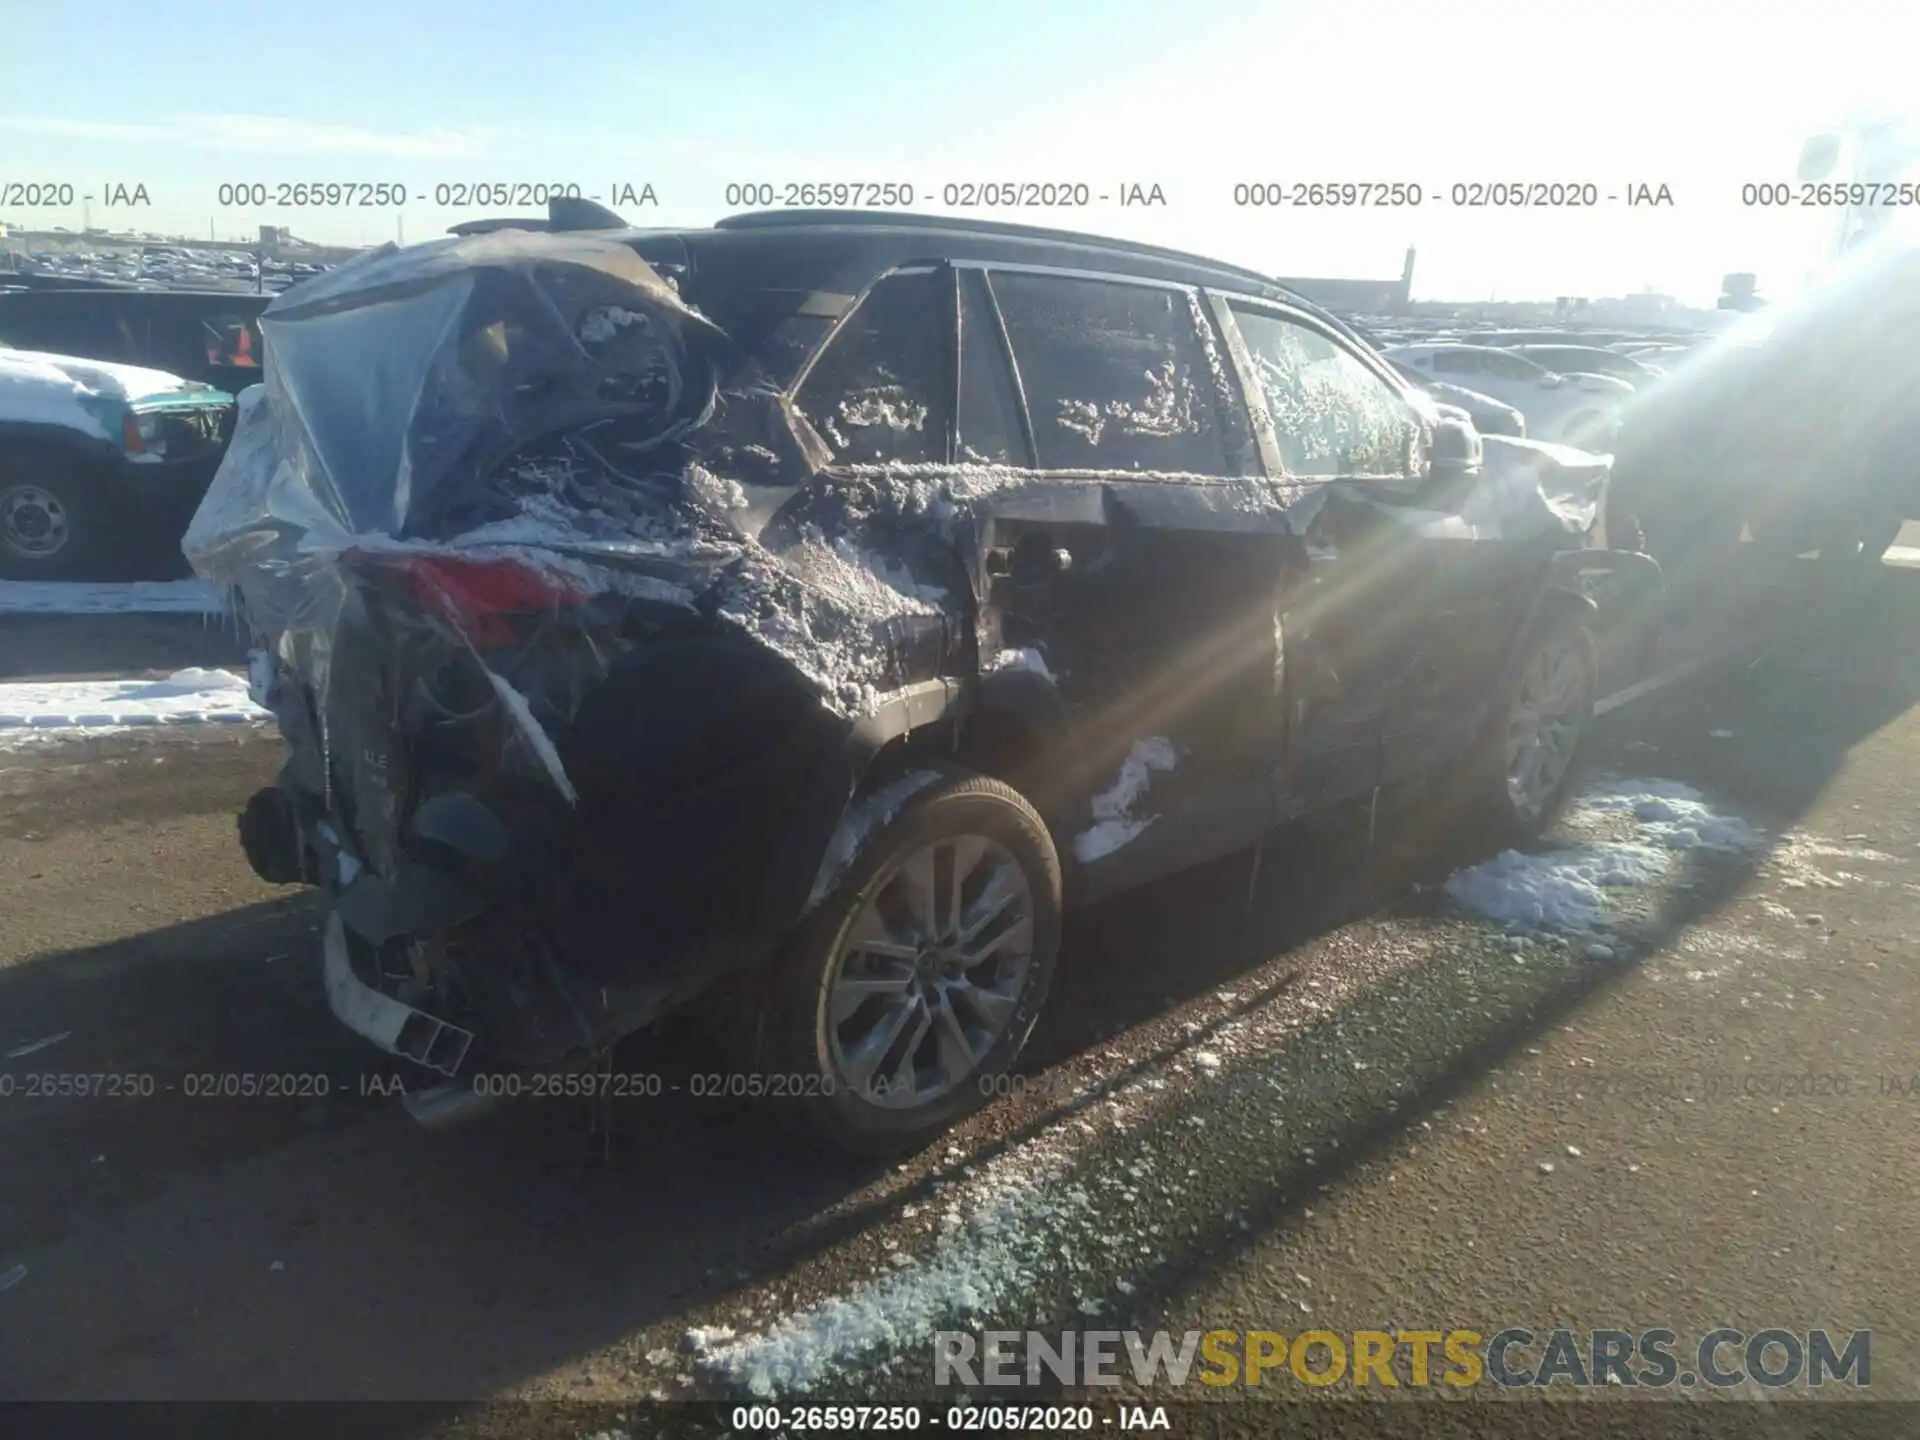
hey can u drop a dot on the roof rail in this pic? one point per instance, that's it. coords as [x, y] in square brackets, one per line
[907, 220]
[504, 222]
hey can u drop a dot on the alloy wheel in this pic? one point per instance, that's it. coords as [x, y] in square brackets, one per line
[1543, 729]
[929, 971]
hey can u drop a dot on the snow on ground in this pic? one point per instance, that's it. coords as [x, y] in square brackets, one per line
[37, 708]
[997, 1236]
[1113, 822]
[1574, 890]
[1904, 555]
[131, 597]
[1805, 862]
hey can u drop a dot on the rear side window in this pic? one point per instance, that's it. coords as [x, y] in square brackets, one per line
[1331, 414]
[1455, 362]
[1115, 375]
[879, 393]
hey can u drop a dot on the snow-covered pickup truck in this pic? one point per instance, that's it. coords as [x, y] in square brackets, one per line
[96, 457]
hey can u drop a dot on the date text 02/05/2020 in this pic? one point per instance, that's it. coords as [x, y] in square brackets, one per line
[1059, 194]
[1464, 194]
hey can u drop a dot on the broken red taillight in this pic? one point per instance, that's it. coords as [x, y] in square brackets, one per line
[481, 597]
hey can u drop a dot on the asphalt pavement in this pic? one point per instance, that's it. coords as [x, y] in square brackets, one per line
[1316, 1094]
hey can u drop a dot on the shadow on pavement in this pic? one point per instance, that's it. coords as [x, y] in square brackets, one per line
[321, 1244]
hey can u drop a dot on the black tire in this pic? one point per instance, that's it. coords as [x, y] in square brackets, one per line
[797, 1031]
[1495, 798]
[35, 500]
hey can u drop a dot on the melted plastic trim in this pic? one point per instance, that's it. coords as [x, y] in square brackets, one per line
[396, 1028]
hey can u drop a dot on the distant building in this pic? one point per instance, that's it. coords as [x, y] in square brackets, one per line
[1357, 297]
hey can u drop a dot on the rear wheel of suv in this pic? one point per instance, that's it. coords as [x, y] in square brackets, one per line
[1526, 761]
[912, 989]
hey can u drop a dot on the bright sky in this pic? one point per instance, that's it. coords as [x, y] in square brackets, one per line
[689, 95]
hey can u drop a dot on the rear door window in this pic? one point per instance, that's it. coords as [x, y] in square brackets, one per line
[1332, 415]
[881, 392]
[1116, 376]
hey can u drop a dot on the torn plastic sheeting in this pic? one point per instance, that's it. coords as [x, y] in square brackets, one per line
[478, 400]
[409, 372]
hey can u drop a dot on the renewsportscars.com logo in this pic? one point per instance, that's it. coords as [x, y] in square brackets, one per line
[1512, 1358]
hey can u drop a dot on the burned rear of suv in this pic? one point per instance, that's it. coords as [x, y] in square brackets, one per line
[549, 774]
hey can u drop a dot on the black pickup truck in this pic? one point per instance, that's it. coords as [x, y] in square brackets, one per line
[208, 336]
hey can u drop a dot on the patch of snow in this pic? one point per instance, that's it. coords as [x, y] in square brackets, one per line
[713, 492]
[1114, 825]
[1567, 889]
[1794, 862]
[600, 326]
[1673, 814]
[701, 1339]
[831, 625]
[887, 406]
[1561, 890]
[193, 696]
[132, 597]
[1023, 659]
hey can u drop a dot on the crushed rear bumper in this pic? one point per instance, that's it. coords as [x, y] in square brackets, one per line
[397, 1028]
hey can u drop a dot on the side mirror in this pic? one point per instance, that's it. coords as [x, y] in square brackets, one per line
[1456, 446]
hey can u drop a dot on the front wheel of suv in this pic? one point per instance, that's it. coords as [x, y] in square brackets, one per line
[910, 992]
[1526, 762]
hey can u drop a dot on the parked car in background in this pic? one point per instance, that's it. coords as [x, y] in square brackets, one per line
[1488, 415]
[97, 460]
[1589, 360]
[1506, 339]
[831, 616]
[1579, 410]
[208, 336]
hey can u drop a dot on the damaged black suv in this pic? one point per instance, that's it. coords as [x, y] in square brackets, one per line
[821, 602]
